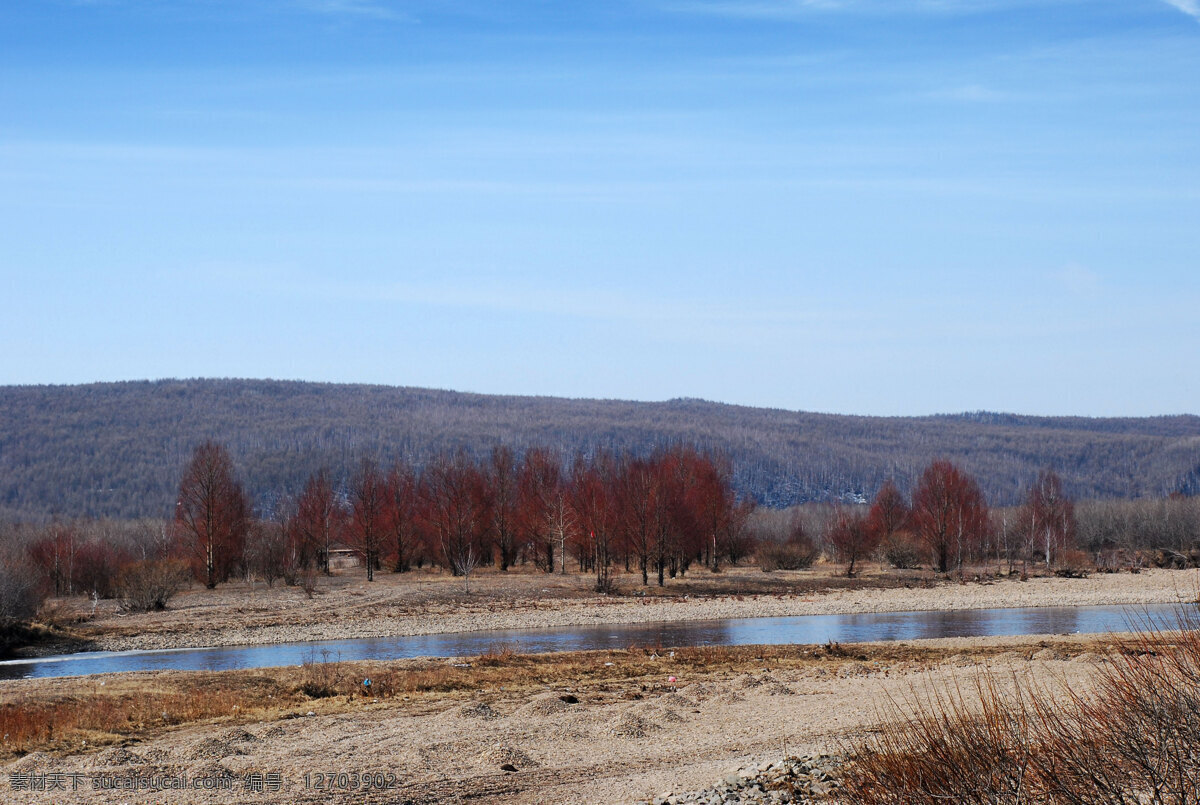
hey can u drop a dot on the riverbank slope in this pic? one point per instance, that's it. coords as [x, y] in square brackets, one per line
[347, 606]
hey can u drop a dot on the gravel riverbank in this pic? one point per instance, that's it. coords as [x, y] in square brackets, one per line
[283, 617]
[794, 780]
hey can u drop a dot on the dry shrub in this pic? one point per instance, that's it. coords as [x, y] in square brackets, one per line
[1133, 736]
[497, 654]
[796, 554]
[1074, 565]
[59, 614]
[20, 598]
[904, 551]
[835, 649]
[307, 579]
[441, 680]
[148, 586]
[948, 752]
[384, 684]
[19, 593]
[321, 676]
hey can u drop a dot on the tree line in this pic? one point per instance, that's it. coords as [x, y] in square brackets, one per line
[656, 515]
[946, 523]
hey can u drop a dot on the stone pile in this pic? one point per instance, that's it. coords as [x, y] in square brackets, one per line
[798, 780]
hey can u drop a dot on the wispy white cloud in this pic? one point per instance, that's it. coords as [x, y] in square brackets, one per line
[368, 9]
[969, 93]
[768, 9]
[355, 8]
[787, 9]
[747, 320]
[1189, 7]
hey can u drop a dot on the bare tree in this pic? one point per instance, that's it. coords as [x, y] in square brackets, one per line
[268, 550]
[466, 561]
[891, 519]
[502, 502]
[320, 520]
[54, 555]
[452, 500]
[852, 537]
[211, 512]
[591, 507]
[949, 513]
[20, 596]
[639, 510]
[1049, 515]
[544, 511]
[151, 539]
[368, 514]
[889, 513]
[403, 513]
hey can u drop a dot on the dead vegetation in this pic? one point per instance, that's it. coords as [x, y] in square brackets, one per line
[73, 714]
[1131, 736]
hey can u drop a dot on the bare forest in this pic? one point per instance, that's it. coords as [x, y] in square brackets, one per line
[114, 450]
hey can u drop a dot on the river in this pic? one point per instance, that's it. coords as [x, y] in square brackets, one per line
[803, 629]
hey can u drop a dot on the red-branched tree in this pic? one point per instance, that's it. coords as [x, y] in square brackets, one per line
[1050, 517]
[211, 513]
[852, 537]
[545, 520]
[889, 520]
[54, 554]
[368, 526]
[501, 484]
[889, 513]
[320, 521]
[98, 565]
[403, 515]
[639, 510]
[949, 513]
[452, 501]
[719, 517]
[591, 506]
[739, 540]
[684, 530]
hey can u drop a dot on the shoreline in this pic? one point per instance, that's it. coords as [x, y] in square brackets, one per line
[1148, 587]
[606, 727]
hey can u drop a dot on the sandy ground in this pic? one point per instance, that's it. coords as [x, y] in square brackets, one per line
[425, 603]
[620, 743]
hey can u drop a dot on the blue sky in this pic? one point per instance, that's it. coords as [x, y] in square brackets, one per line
[852, 206]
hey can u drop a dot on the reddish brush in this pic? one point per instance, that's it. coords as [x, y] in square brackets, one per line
[1132, 736]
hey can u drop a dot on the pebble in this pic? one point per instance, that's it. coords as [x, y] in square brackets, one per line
[798, 780]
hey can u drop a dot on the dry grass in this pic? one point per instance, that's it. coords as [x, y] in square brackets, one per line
[104, 711]
[1132, 736]
[58, 715]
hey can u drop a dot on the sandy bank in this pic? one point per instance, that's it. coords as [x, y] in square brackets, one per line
[247, 626]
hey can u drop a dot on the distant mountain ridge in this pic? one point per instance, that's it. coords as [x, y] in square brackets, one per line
[117, 449]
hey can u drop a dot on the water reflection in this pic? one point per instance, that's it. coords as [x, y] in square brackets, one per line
[745, 631]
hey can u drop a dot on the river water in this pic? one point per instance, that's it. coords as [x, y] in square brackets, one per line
[802, 629]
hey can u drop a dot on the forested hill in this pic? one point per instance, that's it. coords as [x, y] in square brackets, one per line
[117, 449]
